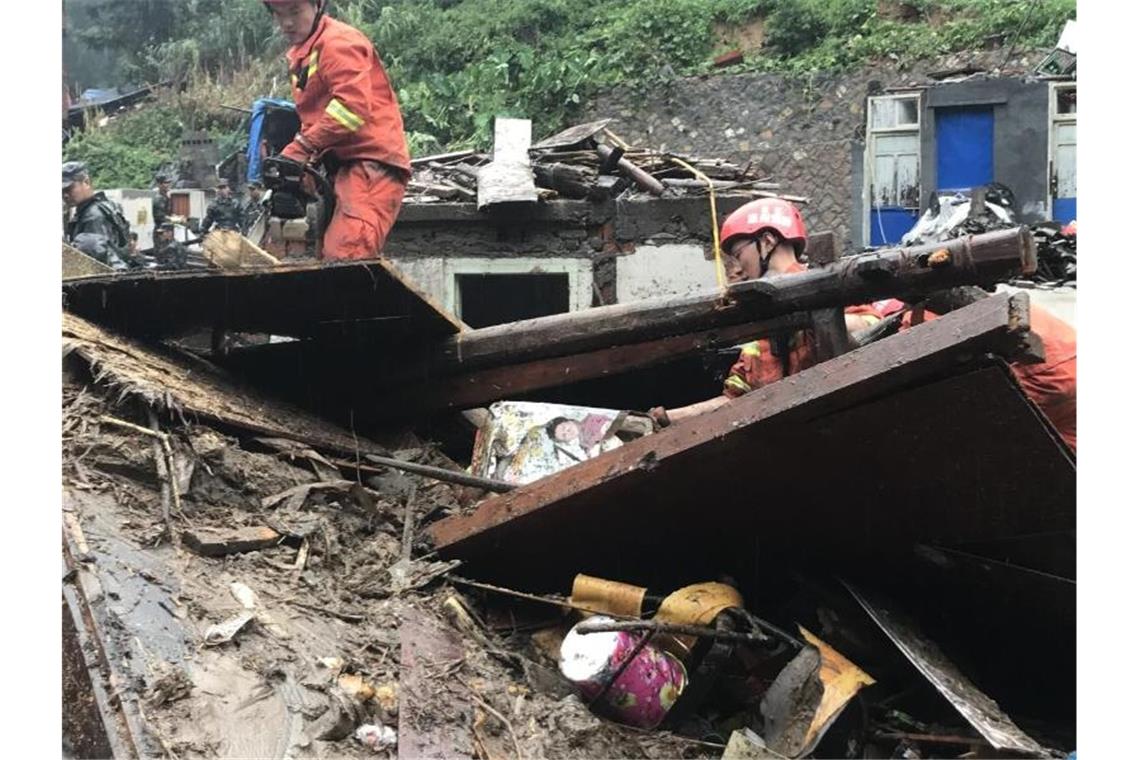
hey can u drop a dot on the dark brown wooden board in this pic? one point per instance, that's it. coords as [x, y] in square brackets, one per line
[311, 299]
[898, 273]
[916, 448]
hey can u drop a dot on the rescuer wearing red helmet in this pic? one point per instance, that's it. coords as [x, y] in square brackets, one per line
[349, 118]
[765, 238]
[762, 236]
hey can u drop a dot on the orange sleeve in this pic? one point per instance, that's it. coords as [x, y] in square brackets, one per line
[346, 66]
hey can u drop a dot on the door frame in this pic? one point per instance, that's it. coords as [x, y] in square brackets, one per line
[869, 135]
[1054, 119]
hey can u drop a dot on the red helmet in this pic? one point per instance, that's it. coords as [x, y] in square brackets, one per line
[766, 214]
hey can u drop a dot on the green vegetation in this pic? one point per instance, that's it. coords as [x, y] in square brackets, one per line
[457, 64]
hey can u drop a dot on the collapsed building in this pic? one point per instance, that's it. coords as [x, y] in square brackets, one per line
[275, 548]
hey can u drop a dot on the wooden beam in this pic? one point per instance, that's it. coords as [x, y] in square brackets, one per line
[219, 543]
[829, 326]
[619, 478]
[482, 387]
[900, 272]
[642, 178]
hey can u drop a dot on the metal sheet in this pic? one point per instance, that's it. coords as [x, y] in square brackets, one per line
[982, 712]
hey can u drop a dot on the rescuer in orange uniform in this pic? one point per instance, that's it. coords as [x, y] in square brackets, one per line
[349, 117]
[767, 237]
[1051, 384]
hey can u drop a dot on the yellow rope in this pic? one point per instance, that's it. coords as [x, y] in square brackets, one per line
[721, 281]
[720, 278]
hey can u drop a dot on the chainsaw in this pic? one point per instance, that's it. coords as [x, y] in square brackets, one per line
[291, 193]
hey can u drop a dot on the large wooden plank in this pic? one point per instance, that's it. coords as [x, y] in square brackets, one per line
[481, 387]
[228, 249]
[899, 273]
[671, 479]
[291, 299]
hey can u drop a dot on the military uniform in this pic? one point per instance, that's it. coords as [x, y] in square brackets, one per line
[160, 209]
[171, 255]
[226, 213]
[99, 215]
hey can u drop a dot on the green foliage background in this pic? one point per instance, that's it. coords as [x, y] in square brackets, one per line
[457, 64]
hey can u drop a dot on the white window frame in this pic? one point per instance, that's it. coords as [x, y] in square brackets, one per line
[579, 272]
[1055, 118]
[869, 149]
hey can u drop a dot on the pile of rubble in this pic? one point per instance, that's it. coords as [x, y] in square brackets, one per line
[248, 578]
[588, 161]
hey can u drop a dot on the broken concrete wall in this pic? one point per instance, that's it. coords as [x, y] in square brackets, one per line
[670, 269]
[806, 132]
[611, 252]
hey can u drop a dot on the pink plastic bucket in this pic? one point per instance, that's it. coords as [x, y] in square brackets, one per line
[644, 692]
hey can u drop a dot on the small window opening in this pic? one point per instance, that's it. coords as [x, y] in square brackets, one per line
[494, 299]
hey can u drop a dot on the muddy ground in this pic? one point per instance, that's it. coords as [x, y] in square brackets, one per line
[324, 653]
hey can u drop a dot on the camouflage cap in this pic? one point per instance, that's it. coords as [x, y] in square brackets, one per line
[73, 171]
[166, 227]
[223, 182]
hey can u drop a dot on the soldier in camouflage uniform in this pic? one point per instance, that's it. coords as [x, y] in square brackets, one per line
[97, 218]
[253, 207]
[168, 252]
[225, 212]
[160, 205]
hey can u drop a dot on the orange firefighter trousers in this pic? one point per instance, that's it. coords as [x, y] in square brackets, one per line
[368, 197]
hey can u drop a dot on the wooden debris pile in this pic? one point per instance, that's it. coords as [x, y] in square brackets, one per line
[590, 162]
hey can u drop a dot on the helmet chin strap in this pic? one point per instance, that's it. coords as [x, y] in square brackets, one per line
[322, 6]
[765, 256]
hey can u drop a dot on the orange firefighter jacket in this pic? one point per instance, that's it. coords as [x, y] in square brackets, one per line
[767, 360]
[344, 99]
[1051, 384]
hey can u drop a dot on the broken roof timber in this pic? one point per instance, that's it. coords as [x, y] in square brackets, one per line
[901, 272]
[292, 299]
[918, 446]
[482, 386]
[489, 364]
[192, 387]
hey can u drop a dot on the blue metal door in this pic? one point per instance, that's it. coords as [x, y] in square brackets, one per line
[965, 147]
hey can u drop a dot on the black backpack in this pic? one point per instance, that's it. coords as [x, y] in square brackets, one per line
[122, 227]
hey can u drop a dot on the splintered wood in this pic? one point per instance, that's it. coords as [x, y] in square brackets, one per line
[229, 250]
